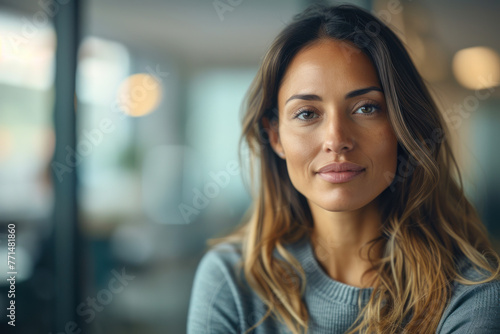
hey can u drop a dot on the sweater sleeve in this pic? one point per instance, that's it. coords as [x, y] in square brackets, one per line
[212, 307]
[475, 309]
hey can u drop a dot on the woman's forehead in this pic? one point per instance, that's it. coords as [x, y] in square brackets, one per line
[326, 65]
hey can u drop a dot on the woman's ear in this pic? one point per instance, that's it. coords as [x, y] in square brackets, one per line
[271, 127]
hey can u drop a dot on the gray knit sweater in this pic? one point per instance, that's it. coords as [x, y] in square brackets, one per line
[219, 304]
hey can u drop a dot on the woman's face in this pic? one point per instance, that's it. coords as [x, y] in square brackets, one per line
[332, 110]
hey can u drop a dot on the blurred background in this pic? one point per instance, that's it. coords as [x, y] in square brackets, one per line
[111, 223]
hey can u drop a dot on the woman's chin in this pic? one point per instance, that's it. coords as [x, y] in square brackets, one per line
[340, 206]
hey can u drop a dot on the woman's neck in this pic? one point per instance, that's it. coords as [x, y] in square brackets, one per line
[337, 239]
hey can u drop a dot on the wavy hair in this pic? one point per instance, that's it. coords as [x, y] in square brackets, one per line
[427, 222]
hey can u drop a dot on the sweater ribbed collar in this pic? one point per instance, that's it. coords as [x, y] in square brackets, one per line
[318, 280]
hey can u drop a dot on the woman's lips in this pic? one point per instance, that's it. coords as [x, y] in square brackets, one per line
[340, 177]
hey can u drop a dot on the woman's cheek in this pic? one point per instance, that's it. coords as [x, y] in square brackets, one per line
[299, 146]
[387, 151]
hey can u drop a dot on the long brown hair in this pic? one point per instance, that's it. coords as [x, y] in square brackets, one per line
[428, 223]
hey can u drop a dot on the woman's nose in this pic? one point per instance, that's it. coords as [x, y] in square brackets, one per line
[338, 137]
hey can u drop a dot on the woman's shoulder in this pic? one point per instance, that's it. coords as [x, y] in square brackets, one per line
[220, 263]
[220, 256]
[473, 307]
[475, 275]
[216, 301]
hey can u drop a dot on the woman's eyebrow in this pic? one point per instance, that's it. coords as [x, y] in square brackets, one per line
[307, 97]
[354, 93]
[361, 91]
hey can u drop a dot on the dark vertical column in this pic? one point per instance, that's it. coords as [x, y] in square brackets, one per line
[65, 237]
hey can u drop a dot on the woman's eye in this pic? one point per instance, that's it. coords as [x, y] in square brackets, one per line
[368, 109]
[305, 115]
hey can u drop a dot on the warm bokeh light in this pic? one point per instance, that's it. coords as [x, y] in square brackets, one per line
[477, 67]
[139, 94]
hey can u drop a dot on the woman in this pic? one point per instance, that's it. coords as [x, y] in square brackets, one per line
[359, 222]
